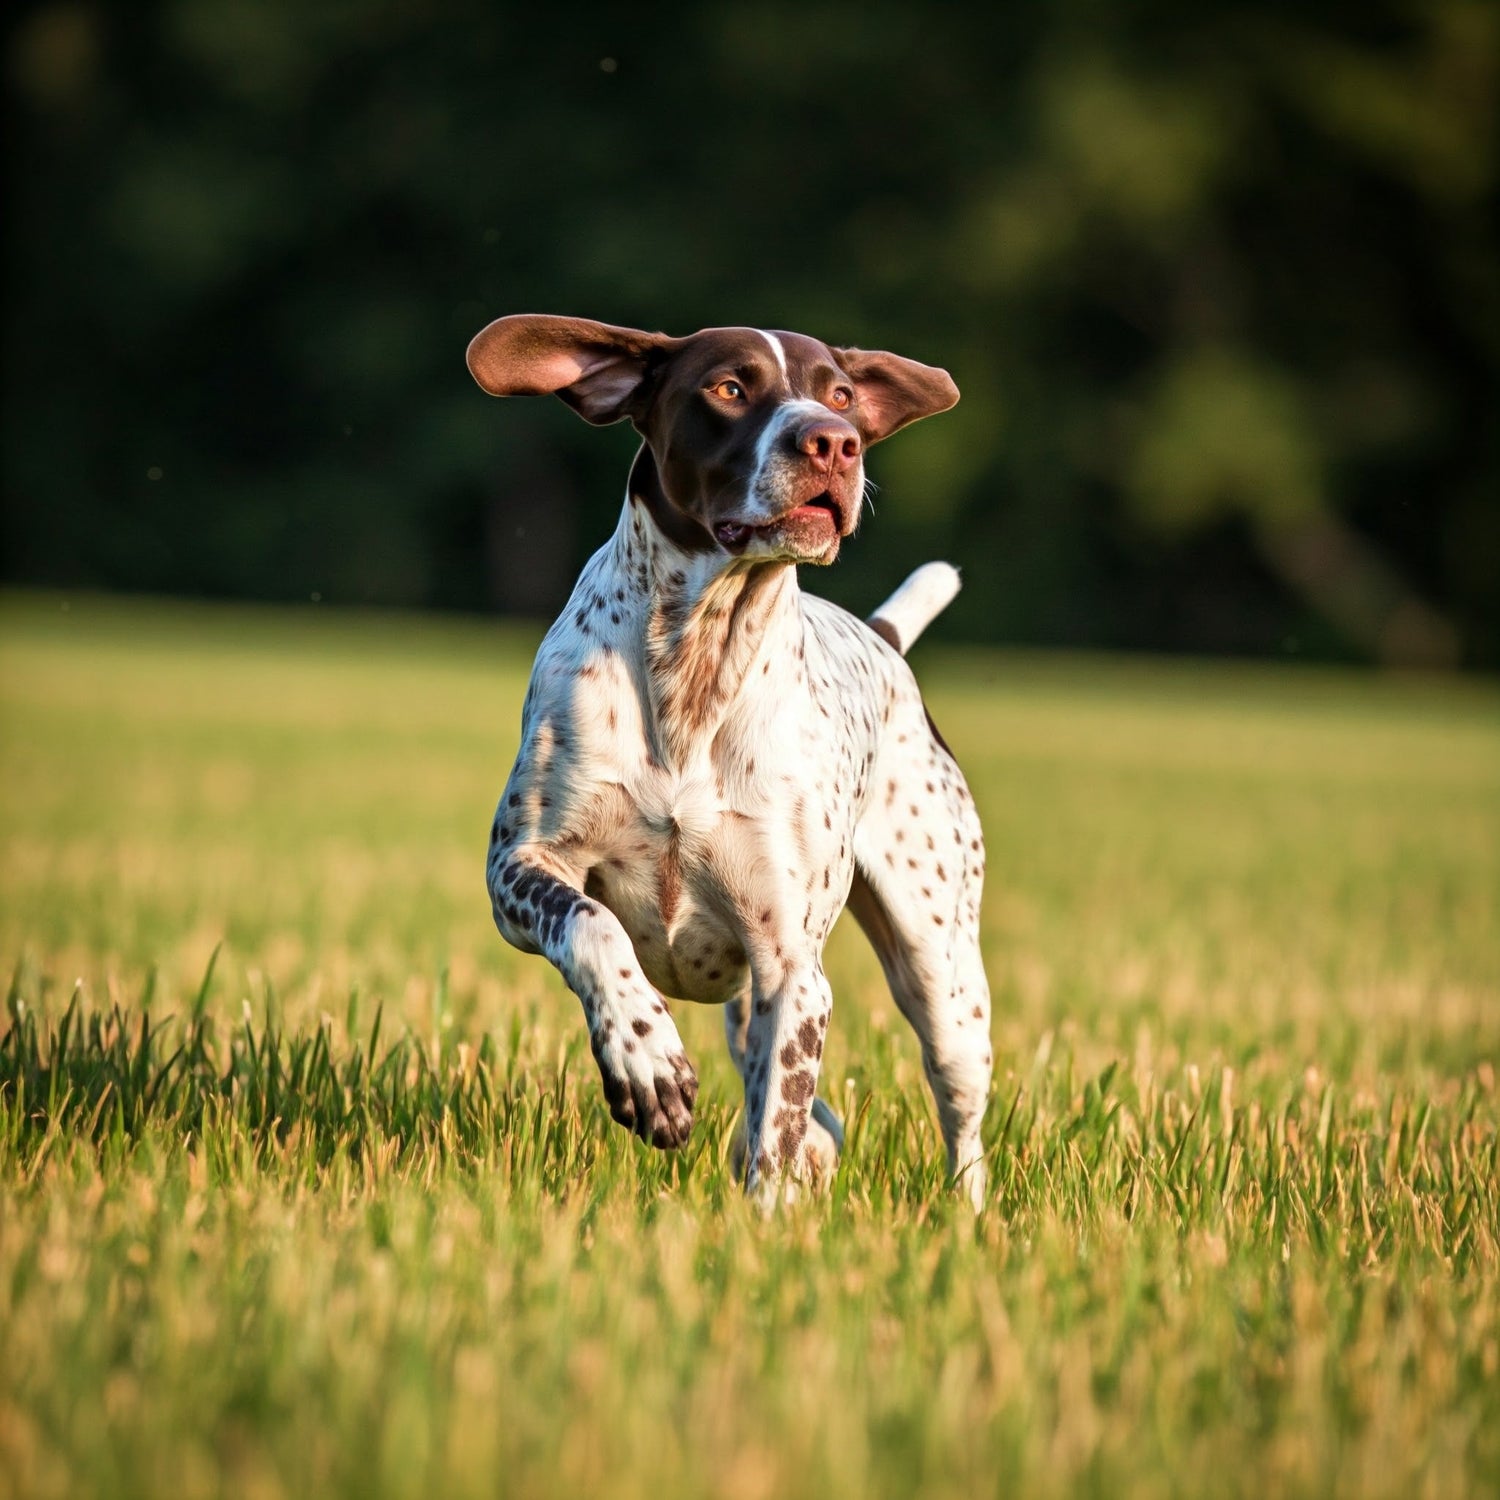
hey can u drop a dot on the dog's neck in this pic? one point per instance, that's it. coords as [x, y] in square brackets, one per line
[713, 626]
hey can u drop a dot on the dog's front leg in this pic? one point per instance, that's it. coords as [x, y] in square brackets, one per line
[648, 1082]
[783, 1049]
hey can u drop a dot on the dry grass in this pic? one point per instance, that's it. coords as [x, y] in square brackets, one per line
[1242, 933]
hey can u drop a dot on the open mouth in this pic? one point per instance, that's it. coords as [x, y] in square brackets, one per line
[824, 502]
[807, 517]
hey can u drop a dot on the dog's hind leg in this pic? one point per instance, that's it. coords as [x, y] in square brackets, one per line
[919, 870]
[942, 991]
[825, 1132]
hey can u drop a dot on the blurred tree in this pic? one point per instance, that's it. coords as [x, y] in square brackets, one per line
[1219, 284]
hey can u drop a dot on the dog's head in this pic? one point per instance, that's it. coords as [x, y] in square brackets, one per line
[754, 441]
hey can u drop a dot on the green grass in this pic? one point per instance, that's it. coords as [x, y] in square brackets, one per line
[341, 1212]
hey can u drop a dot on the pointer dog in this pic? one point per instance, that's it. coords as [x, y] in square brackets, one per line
[713, 764]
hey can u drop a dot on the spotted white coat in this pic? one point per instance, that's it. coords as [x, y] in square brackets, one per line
[714, 763]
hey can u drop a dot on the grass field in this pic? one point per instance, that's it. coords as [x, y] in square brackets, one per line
[345, 1215]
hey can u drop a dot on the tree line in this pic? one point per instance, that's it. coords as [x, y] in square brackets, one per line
[1219, 284]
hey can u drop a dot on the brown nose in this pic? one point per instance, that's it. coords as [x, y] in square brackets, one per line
[832, 445]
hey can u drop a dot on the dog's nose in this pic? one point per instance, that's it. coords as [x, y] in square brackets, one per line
[832, 445]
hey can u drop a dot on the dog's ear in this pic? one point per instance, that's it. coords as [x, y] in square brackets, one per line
[598, 370]
[894, 391]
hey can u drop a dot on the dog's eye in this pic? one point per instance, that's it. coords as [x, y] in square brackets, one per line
[840, 397]
[729, 390]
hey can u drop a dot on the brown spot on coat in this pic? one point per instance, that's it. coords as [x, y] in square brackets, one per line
[797, 1088]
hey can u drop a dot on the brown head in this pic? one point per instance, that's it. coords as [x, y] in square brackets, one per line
[754, 441]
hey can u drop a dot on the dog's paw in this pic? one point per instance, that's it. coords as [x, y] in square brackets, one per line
[649, 1084]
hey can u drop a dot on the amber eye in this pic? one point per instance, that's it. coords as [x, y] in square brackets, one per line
[840, 397]
[729, 390]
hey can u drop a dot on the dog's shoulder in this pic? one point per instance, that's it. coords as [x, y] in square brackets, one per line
[855, 654]
[583, 647]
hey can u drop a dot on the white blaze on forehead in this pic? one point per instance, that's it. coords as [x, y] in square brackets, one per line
[776, 349]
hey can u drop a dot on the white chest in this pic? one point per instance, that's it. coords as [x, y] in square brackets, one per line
[712, 850]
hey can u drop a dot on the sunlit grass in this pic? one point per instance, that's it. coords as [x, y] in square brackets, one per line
[343, 1213]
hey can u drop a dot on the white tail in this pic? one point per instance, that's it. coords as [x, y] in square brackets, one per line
[915, 605]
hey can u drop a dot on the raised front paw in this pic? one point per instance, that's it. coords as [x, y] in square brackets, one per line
[648, 1082]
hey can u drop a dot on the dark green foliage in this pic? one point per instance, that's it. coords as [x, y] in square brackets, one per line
[1219, 283]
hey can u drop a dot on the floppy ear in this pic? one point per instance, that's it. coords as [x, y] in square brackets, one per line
[597, 369]
[894, 391]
